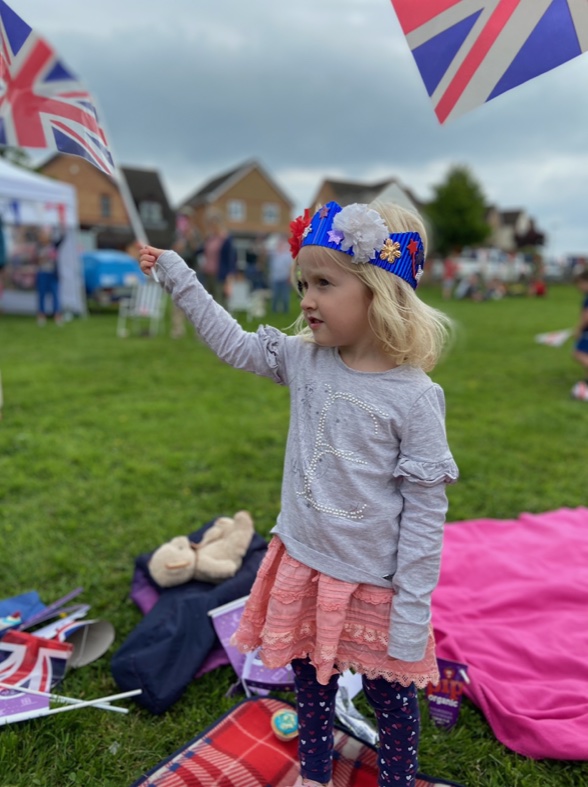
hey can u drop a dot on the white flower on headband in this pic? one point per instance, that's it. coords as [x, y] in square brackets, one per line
[363, 229]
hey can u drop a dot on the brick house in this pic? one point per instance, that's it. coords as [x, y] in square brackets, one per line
[251, 202]
[102, 212]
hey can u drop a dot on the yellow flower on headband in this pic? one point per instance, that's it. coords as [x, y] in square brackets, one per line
[390, 251]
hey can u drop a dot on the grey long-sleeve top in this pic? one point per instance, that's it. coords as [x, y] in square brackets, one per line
[366, 462]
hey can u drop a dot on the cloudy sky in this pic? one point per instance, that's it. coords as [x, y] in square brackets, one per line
[313, 89]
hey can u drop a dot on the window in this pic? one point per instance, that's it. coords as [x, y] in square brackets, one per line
[151, 213]
[105, 206]
[236, 210]
[271, 213]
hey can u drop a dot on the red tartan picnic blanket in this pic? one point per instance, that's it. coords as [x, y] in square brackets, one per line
[240, 750]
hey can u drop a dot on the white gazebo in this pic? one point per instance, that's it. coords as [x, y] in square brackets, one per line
[28, 199]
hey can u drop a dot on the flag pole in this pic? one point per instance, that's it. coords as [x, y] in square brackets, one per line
[93, 703]
[59, 697]
[120, 180]
[130, 207]
[132, 212]
[50, 711]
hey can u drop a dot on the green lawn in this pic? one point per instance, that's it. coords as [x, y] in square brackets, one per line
[109, 447]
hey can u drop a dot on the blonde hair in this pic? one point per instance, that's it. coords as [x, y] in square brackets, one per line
[408, 329]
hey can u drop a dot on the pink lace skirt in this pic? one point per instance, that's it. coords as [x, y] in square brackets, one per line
[296, 612]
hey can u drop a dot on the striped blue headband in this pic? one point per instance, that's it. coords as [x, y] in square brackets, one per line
[361, 233]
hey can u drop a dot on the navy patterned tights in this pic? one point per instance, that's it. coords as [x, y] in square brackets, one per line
[397, 713]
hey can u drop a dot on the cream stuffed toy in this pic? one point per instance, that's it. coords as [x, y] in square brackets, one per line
[217, 557]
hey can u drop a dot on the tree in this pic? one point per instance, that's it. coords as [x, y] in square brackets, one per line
[458, 212]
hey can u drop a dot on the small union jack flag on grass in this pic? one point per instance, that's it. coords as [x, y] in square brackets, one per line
[470, 51]
[42, 104]
[29, 662]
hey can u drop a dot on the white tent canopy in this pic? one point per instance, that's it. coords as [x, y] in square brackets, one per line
[30, 199]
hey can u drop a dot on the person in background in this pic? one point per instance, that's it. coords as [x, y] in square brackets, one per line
[471, 288]
[254, 263]
[580, 351]
[520, 286]
[355, 556]
[450, 271]
[495, 290]
[537, 286]
[48, 276]
[279, 274]
[219, 258]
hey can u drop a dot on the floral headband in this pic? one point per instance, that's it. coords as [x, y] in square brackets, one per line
[361, 233]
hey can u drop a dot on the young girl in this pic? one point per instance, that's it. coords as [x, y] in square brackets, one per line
[348, 576]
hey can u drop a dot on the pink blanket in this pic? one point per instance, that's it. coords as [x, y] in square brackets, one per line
[512, 604]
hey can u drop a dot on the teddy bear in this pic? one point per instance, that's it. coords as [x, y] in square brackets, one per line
[217, 557]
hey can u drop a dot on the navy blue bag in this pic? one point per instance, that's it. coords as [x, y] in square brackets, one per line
[165, 650]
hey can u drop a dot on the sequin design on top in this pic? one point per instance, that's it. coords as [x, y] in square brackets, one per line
[323, 448]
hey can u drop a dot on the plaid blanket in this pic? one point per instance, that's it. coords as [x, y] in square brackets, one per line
[240, 750]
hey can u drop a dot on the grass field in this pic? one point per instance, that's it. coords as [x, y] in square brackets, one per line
[109, 447]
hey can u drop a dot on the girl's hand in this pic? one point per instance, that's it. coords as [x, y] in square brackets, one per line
[148, 257]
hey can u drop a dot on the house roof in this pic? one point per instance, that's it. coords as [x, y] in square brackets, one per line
[219, 182]
[217, 186]
[510, 217]
[345, 192]
[145, 184]
[40, 166]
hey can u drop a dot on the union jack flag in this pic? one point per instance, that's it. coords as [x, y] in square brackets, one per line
[42, 104]
[470, 51]
[29, 662]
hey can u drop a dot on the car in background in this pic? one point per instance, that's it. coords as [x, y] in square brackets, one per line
[110, 275]
[493, 264]
[557, 269]
[489, 263]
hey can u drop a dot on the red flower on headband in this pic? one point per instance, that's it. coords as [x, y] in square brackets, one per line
[297, 228]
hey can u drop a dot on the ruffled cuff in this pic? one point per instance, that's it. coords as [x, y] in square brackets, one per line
[427, 473]
[271, 340]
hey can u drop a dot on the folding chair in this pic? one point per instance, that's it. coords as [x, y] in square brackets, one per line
[242, 298]
[146, 302]
[257, 305]
[239, 297]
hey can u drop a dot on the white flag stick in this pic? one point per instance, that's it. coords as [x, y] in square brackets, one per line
[59, 697]
[130, 206]
[125, 192]
[93, 703]
[132, 212]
